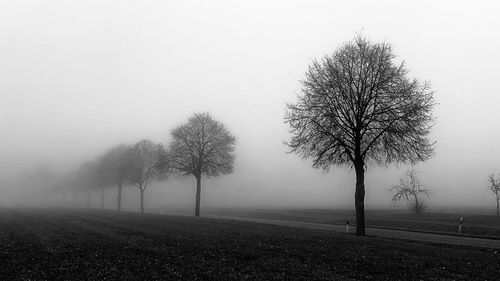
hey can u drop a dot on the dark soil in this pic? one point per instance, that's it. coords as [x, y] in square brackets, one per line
[107, 245]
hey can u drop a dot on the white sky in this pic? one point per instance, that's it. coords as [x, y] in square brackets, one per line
[77, 77]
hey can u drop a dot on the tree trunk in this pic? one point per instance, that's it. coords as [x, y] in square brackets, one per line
[119, 197]
[88, 199]
[359, 198]
[102, 197]
[198, 195]
[498, 214]
[142, 200]
[417, 207]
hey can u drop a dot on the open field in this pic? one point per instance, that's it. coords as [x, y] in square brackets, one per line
[66, 244]
[437, 221]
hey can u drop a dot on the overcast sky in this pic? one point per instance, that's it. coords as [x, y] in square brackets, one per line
[77, 77]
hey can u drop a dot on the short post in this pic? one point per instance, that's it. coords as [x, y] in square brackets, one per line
[460, 221]
[347, 226]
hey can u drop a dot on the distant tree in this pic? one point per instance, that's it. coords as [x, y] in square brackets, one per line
[202, 146]
[120, 166]
[62, 186]
[163, 165]
[411, 190]
[358, 107]
[495, 188]
[105, 175]
[152, 162]
[87, 179]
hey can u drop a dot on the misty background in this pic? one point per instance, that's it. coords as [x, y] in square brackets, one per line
[79, 77]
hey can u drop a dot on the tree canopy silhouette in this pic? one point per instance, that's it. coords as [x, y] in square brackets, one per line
[412, 191]
[202, 146]
[151, 161]
[495, 188]
[119, 165]
[358, 106]
[87, 178]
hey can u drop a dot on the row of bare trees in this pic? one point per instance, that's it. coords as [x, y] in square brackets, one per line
[135, 165]
[201, 146]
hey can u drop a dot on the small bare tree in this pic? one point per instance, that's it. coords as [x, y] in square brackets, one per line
[202, 146]
[411, 190]
[495, 188]
[150, 162]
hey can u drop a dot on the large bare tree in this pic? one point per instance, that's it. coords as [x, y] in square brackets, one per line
[202, 146]
[495, 188]
[358, 106]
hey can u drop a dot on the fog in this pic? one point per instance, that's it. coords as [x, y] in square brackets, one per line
[79, 77]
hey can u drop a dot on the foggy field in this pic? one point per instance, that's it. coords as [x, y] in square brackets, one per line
[441, 221]
[249, 140]
[54, 244]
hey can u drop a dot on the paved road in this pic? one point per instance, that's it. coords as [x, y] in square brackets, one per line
[408, 235]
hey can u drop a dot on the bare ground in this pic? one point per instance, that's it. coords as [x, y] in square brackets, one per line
[94, 245]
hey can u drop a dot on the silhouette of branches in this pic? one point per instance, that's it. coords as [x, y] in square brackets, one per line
[411, 190]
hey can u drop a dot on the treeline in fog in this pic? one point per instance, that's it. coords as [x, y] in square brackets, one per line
[200, 147]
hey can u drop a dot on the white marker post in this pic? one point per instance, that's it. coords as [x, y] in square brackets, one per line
[460, 221]
[347, 226]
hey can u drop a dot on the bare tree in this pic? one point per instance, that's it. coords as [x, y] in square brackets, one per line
[495, 188]
[87, 179]
[202, 146]
[411, 190]
[105, 176]
[151, 162]
[358, 107]
[163, 165]
[120, 164]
